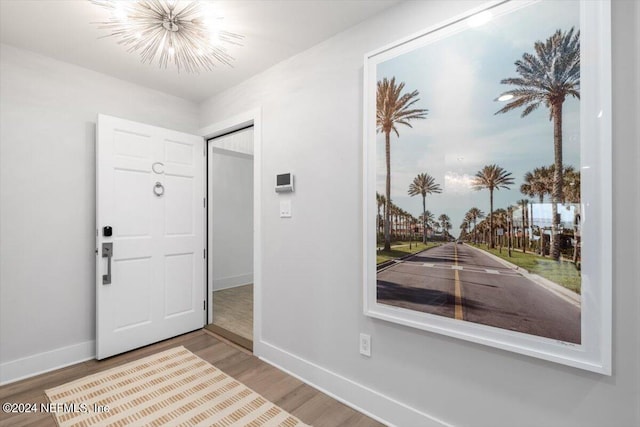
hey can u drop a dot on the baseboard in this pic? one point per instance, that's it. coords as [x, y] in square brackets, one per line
[232, 281]
[361, 398]
[36, 364]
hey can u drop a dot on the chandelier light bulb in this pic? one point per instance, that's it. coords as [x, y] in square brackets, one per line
[168, 31]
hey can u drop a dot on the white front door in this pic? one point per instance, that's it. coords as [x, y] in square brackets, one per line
[150, 270]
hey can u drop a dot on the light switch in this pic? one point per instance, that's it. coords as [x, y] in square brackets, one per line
[285, 208]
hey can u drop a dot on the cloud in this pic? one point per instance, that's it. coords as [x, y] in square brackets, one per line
[458, 184]
[458, 79]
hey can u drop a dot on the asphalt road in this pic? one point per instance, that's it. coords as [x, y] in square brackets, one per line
[464, 283]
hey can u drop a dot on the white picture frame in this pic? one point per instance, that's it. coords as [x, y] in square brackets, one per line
[593, 351]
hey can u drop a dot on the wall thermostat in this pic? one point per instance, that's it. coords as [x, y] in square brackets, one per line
[284, 183]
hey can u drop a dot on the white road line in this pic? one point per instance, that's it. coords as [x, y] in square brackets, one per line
[470, 269]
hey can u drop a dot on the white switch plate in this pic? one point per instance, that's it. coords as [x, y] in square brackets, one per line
[365, 345]
[285, 208]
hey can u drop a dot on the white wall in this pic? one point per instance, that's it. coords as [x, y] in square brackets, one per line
[230, 178]
[47, 208]
[311, 116]
[311, 124]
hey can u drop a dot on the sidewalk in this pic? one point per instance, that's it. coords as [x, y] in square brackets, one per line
[553, 287]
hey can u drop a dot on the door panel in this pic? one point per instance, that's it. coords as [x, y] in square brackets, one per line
[179, 284]
[179, 216]
[133, 307]
[178, 153]
[157, 282]
[133, 208]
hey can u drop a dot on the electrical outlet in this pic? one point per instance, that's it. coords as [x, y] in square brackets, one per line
[365, 345]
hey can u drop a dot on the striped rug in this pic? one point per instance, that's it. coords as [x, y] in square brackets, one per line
[174, 388]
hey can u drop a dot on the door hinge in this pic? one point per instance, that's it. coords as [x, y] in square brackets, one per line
[204, 305]
[204, 202]
[204, 253]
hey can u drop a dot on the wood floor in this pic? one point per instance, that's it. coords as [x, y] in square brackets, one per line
[311, 406]
[233, 310]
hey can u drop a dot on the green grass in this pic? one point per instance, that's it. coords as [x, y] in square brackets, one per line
[400, 249]
[561, 272]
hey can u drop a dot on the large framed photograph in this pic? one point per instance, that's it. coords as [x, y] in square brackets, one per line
[487, 180]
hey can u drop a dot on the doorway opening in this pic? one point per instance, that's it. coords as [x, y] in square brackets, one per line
[230, 182]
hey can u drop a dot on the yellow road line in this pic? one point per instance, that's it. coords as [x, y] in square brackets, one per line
[458, 288]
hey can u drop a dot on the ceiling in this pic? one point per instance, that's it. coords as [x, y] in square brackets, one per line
[274, 30]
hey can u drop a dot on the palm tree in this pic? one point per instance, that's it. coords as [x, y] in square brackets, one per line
[399, 231]
[538, 183]
[572, 195]
[482, 227]
[464, 229]
[427, 219]
[475, 214]
[571, 188]
[393, 108]
[445, 223]
[393, 220]
[424, 184]
[381, 202]
[549, 77]
[523, 203]
[571, 185]
[499, 222]
[492, 177]
[413, 222]
[543, 180]
[405, 223]
[467, 220]
[510, 210]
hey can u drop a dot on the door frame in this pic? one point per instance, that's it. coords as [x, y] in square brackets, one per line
[248, 118]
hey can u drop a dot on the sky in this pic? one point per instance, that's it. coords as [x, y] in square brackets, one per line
[458, 80]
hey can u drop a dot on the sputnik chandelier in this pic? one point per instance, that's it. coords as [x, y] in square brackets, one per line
[172, 31]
